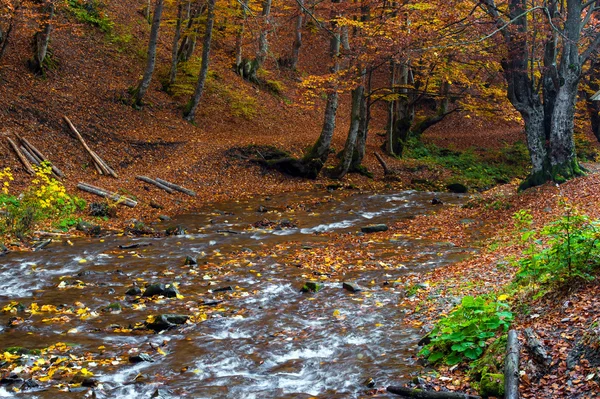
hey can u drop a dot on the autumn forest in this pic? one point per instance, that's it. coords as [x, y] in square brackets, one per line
[299, 198]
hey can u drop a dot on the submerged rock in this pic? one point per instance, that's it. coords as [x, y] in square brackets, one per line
[168, 290]
[133, 291]
[178, 230]
[190, 261]
[312, 286]
[113, 307]
[352, 287]
[436, 201]
[374, 228]
[142, 357]
[166, 321]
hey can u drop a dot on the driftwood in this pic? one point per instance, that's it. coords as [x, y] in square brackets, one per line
[511, 367]
[24, 161]
[386, 169]
[176, 187]
[423, 394]
[107, 194]
[154, 182]
[536, 348]
[41, 157]
[101, 166]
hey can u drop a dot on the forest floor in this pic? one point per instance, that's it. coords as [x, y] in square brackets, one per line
[156, 142]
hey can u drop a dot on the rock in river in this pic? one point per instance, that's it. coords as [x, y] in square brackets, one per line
[168, 290]
[166, 321]
[374, 228]
[312, 286]
[352, 287]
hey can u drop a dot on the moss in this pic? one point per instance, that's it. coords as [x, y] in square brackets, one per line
[274, 86]
[492, 384]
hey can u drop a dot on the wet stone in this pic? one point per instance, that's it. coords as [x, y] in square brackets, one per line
[154, 289]
[133, 291]
[113, 307]
[167, 321]
[374, 228]
[162, 394]
[262, 209]
[190, 261]
[30, 384]
[142, 357]
[312, 286]
[170, 291]
[164, 218]
[352, 287]
[436, 201]
[178, 230]
[88, 228]
[223, 289]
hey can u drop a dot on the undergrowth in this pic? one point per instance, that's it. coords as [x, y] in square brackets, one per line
[44, 199]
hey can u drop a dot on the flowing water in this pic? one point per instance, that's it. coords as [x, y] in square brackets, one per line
[262, 338]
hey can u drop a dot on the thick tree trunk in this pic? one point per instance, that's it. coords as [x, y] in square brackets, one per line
[297, 37]
[151, 62]
[188, 44]
[563, 159]
[176, 37]
[348, 154]
[361, 140]
[389, 146]
[191, 111]
[42, 38]
[320, 151]
[405, 113]
[263, 43]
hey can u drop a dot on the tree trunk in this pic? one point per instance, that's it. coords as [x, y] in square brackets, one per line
[263, 43]
[563, 159]
[389, 147]
[239, 39]
[151, 62]
[363, 132]
[191, 112]
[297, 37]
[188, 44]
[176, 37]
[42, 38]
[593, 107]
[405, 113]
[355, 115]
[320, 151]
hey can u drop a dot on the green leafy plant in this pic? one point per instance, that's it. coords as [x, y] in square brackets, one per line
[91, 12]
[466, 331]
[566, 248]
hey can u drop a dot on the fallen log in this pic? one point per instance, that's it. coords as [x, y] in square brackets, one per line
[30, 157]
[176, 187]
[536, 348]
[511, 367]
[423, 394]
[107, 194]
[100, 164]
[154, 182]
[40, 156]
[24, 161]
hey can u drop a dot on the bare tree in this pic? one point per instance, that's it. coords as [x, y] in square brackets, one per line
[42, 37]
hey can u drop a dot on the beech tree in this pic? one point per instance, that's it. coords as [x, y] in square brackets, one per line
[545, 45]
[140, 91]
[42, 37]
[190, 113]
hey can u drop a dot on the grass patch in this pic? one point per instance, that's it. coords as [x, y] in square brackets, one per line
[479, 171]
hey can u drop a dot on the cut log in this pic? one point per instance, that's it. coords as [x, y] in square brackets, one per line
[30, 157]
[24, 161]
[105, 166]
[536, 348]
[40, 156]
[511, 367]
[107, 194]
[423, 394]
[386, 170]
[176, 187]
[154, 182]
[100, 164]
